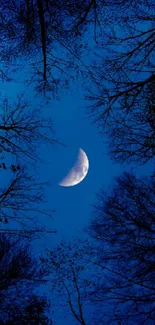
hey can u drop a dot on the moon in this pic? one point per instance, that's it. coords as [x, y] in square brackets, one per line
[78, 172]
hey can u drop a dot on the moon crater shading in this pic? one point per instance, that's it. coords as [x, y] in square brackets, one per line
[78, 172]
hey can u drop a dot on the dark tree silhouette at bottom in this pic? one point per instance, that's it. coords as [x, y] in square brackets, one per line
[19, 277]
[124, 229]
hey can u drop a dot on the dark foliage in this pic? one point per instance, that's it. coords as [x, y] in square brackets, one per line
[123, 226]
[19, 277]
[48, 34]
[122, 93]
[22, 128]
[72, 279]
[21, 195]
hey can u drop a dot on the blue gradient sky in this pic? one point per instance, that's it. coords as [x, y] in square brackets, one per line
[73, 128]
[73, 204]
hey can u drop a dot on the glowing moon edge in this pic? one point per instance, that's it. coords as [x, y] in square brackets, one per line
[78, 172]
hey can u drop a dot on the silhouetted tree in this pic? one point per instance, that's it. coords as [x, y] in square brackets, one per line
[123, 83]
[108, 279]
[34, 312]
[21, 195]
[19, 277]
[48, 34]
[123, 227]
[20, 204]
[22, 128]
[72, 278]
[132, 136]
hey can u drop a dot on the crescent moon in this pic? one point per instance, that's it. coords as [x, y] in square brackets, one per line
[78, 172]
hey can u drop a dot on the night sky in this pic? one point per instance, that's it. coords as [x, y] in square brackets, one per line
[74, 128]
[72, 205]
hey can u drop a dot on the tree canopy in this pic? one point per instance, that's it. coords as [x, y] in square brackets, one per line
[19, 277]
[108, 278]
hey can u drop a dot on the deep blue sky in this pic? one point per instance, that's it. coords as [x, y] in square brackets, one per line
[75, 130]
[72, 204]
